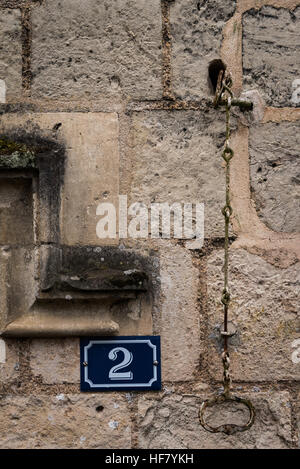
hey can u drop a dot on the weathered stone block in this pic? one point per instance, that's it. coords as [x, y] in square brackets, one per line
[171, 421]
[196, 29]
[91, 174]
[64, 421]
[271, 53]
[10, 54]
[265, 310]
[97, 49]
[177, 158]
[55, 360]
[275, 174]
[179, 315]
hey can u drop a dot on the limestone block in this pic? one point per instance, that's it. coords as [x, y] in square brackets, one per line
[196, 29]
[265, 310]
[10, 55]
[177, 158]
[275, 174]
[179, 315]
[56, 360]
[97, 49]
[271, 53]
[91, 174]
[64, 421]
[171, 421]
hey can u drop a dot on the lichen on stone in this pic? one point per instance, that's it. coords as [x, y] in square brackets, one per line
[16, 155]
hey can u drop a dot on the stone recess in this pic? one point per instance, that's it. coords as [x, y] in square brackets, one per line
[96, 49]
[171, 421]
[177, 158]
[91, 169]
[11, 52]
[275, 174]
[64, 421]
[16, 211]
[265, 308]
[55, 360]
[271, 58]
[196, 29]
[179, 315]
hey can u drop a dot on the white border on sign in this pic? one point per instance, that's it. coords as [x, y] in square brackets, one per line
[139, 341]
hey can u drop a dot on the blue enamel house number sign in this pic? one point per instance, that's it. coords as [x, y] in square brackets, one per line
[120, 363]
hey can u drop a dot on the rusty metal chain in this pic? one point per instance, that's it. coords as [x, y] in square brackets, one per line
[227, 154]
[224, 96]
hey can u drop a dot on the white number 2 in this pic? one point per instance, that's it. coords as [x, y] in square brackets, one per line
[113, 373]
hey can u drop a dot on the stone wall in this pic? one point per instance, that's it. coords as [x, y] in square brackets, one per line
[122, 86]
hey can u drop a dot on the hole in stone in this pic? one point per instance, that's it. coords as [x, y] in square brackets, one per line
[99, 408]
[57, 126]
[214, 69]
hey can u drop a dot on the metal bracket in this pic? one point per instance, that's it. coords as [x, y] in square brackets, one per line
[231, 330]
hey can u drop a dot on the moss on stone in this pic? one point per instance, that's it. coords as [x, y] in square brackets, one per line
[16, 155]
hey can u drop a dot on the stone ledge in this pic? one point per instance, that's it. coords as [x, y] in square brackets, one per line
[31, 325]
